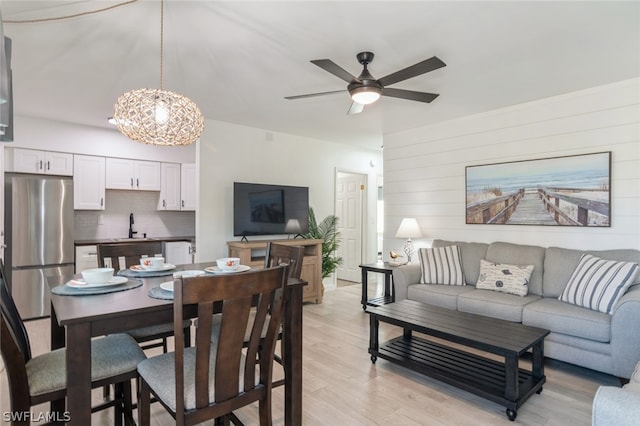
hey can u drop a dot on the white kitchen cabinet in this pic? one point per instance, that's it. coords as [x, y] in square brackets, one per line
[178, 252]
[41, 162]
[188, 187]
[86, 258]
[178, 187]
[88, 182]
[169, 187]
[122, 173]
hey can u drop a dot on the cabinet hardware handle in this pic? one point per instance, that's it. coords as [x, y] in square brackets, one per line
[132, 182]
[182, 203]
[40, 164]
[164, 203]
[48, 165]
[101, 201]
[138, 183]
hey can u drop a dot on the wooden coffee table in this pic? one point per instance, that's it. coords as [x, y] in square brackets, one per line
[501, 382]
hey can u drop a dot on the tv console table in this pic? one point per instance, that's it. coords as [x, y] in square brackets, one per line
[501, 382]
[252, 253]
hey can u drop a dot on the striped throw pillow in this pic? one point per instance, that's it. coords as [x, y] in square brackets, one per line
[441, 265]
[598, 283]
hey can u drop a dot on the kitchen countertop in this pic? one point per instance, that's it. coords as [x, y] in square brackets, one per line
[190, 238]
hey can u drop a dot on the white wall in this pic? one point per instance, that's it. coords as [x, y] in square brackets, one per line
[425, 168]
[49, 135]
[229, 153]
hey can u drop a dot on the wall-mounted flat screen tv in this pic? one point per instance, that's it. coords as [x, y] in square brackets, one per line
[261, 209]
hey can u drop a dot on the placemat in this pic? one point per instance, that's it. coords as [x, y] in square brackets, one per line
[65, 290]
[158, 293]
[144, 274]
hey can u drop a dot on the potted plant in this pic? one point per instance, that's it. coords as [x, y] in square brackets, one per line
[326, 231]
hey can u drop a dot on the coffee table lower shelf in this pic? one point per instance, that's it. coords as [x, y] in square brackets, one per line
[476, 374]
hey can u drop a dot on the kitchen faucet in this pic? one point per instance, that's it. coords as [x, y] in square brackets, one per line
[131, 231]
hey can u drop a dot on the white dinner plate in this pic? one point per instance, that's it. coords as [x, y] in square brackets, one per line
[165, 267]
[216, 270]
[167, 285]
[80, 283]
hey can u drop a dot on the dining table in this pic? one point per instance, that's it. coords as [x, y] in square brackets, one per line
[75, 319]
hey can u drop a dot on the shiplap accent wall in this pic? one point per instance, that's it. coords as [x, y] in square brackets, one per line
[424, 169]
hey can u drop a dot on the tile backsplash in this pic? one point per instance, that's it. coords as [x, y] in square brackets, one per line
[113, 222]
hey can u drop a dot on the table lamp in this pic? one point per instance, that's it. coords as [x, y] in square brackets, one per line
[408, 229]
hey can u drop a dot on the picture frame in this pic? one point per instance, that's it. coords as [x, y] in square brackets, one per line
[572, 190]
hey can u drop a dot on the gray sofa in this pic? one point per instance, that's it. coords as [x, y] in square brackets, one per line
[581, 336]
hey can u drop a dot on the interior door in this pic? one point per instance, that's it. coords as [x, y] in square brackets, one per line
[350, 188]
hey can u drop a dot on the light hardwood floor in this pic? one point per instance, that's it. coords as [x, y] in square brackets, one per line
[343, 387]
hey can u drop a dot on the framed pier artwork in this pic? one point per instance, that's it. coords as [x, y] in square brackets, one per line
[561, 191]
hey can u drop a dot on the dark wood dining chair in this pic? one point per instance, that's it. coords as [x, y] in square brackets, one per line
[211, 380]
[132, 252]
[275, 255]
[35, 380]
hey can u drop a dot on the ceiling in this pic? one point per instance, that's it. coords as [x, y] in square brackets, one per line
[238, 60]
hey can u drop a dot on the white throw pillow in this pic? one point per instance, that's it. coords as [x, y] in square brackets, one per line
[441, 265]
[505, 278]
[598, 283]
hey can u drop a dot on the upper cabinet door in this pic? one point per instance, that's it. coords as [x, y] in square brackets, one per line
[188, 187]
[147, 175]
[119, 173]
[58, 163]
[41, 162]
[88, 182]
[169, 186]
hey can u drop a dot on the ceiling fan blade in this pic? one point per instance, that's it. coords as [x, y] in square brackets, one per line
[409, 94]
[310, 95]
[330, 66]
[425, 66]
[355, 108]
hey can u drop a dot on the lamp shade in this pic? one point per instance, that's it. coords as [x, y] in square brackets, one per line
[409, 228]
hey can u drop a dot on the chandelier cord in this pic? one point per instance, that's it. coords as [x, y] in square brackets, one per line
[60, 18]
[161, 40]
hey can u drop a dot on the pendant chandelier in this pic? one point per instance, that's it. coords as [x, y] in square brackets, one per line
[157, 116]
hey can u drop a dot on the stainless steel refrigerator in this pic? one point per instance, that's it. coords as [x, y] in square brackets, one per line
[39, 237]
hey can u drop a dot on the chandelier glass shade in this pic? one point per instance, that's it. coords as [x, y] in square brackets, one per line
[158, 117]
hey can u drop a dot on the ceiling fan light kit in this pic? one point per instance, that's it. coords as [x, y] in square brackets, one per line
[157, 116]
[365, 89]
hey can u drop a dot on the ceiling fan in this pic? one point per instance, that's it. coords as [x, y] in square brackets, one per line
[365, 89]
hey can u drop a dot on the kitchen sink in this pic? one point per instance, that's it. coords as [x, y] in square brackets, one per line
[131, 240]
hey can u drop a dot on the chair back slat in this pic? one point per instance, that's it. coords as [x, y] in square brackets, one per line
[282, 254]
[235, 293]
[131, 252]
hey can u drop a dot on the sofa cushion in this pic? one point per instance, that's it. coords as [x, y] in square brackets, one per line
[492, 304]
[441, 265]
[564, 318]
[559, 264]
[518, 254]
[505, 278]
[471, 254]
[445, 296]
[598, 283]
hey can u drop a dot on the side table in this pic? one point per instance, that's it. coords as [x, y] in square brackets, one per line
[388, 296]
